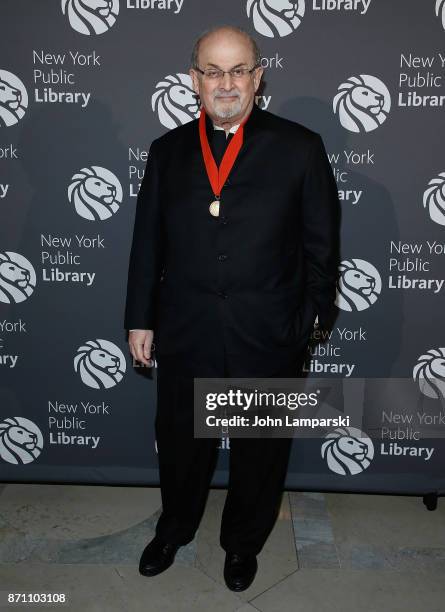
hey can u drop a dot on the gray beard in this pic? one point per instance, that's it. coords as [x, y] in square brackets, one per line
[229, 112]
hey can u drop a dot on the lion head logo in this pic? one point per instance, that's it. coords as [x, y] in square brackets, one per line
[440, 11]
[434, 198]
[429, 372]
[175, 101]
[91, 16]
[362, 103]
[275, 17]
[13, 99]
[358, 286]
[17, 278]
[100, 363]
[96, 193]
[21, 441]
[347, 451]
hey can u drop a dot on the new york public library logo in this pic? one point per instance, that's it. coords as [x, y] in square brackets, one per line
[13, 99]
[174, 100]
[21, 441]
[17, 278]
[358, 286]
[362, 103]
[275, 17]
[95, 192]
[91, 16]
[434, 198]
[429, 372]
[347, 451]
[100, 364]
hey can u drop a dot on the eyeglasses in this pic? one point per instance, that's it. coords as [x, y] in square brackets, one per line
[215, 74]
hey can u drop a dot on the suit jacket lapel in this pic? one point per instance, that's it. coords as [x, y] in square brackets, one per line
[252, 130]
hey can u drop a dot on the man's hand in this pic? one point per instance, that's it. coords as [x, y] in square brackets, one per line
[140, 342]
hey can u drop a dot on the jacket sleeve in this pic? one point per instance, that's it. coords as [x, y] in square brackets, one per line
[320, 232]
[145, 264]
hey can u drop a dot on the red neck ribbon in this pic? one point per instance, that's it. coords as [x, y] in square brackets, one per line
[217, 176]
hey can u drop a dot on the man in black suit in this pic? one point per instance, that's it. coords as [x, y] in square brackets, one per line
[227, 274]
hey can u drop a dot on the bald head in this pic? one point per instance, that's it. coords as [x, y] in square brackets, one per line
[225, 34]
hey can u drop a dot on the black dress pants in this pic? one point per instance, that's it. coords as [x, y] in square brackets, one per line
[258, 468]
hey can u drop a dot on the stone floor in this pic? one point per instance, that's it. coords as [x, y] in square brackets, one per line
[327, 552]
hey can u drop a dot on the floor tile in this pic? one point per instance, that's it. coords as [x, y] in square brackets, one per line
[351, 590]
[68, 511]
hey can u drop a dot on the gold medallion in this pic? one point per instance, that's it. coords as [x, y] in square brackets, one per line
[214, 208]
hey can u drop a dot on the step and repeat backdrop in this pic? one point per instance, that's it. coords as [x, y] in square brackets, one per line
[85, 86]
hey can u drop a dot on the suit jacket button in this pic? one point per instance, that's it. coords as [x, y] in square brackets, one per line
[222, 294]
[224, 220]
[222, 257]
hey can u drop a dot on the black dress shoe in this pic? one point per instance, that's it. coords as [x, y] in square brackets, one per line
[157, 557]
[239, 571]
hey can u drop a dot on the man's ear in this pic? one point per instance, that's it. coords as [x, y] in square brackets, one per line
[257, 77]
[195, 81]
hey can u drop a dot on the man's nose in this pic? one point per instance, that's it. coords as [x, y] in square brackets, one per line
[226, 81]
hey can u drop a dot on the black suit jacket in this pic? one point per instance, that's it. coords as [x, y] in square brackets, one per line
[252, 280]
